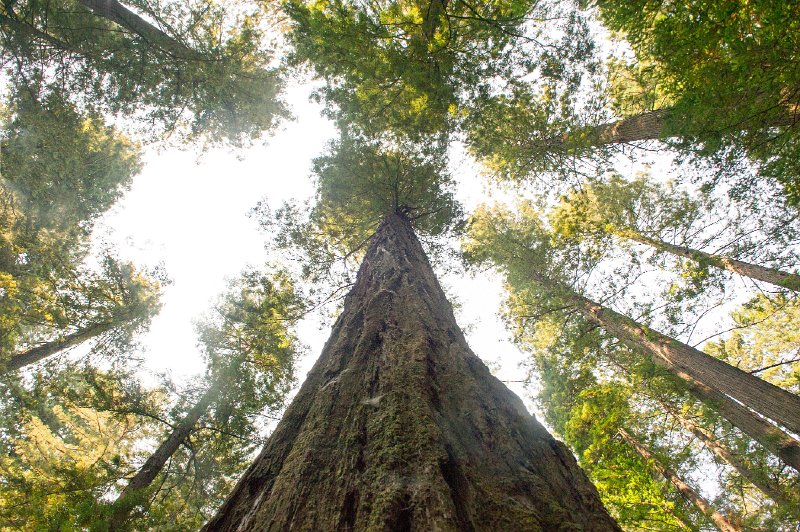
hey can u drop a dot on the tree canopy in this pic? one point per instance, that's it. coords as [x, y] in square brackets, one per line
[645, 231]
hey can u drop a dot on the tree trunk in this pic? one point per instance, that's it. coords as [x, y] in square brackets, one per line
[399, 426]
[690, 494]
[645, 126]
[116, 12]
[760, 273]
[45, 350]
[768, 435]
[693, 365]
[771, 437]
[127, 500]
[723, 453]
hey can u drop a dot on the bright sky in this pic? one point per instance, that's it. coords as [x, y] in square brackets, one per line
[192, 215]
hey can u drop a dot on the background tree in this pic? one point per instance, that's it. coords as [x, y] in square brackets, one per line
[668, 219]
[200, 69]
[412, 68]
[729, 69]
[538, 271]
[574, 358]
[250, 350]
[61, 452]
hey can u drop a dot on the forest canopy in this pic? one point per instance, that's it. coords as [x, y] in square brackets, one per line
[625, 173]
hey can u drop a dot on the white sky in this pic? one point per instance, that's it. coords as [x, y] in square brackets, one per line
[192, 215]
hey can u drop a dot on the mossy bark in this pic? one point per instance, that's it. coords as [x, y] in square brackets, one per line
[399, 426]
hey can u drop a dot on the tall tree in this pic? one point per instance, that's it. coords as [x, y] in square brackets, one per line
[647, 213]
[710, 441]
[521, 246]
[111, 305]
[250, 349]
[408, 66]
[720, 521]
[400, 426]
[61, 170]
[718, 97]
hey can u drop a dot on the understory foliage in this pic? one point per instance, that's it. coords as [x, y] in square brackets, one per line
[648, 153]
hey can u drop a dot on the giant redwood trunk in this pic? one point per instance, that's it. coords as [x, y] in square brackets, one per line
[399, 426]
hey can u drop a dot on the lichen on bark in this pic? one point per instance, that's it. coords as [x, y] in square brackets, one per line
[399, 426]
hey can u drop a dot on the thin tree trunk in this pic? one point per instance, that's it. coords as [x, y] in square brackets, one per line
[762, 431]
[723, 453]
[45, 350]
[649, 125]
[771, 437]
[690, 494]
[754, 271]
[399, 426]
[693, 365]
[127, 500]
[430, 22]
[121, 15]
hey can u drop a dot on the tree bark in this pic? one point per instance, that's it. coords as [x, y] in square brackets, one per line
[771, 437]
[45, 350]
[645, 126]
[127, 500]
[399, 426]
[723, 453]
[116, 12]
[754, 271]
[768, 435]
[693, 365]
[690, 494]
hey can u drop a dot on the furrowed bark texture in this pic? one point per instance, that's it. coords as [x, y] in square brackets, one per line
[719, 520]
[399, 426]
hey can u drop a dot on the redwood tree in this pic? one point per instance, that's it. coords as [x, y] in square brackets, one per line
[400, 426]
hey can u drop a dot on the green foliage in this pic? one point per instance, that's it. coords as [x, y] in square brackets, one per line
[60, 171]
[64, 449]
[250, 349]
[360, 182]
[406, 66]
[201, 71]
[62, 168]
[730, 70]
